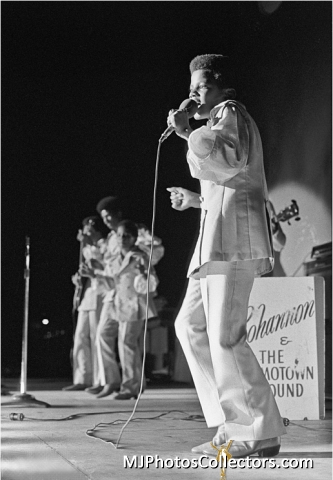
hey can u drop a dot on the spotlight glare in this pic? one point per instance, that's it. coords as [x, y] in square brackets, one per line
[45, 321]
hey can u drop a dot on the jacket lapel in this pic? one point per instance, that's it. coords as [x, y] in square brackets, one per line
[127, 260]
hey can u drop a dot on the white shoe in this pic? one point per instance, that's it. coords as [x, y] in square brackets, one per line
[264, 448]
[205, 448]
[219, 439]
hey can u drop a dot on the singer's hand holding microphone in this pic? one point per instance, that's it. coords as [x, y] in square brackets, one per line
[178, 120]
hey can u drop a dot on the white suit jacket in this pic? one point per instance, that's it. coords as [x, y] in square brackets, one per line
[227, 157]
[92, 295]
[119, 276]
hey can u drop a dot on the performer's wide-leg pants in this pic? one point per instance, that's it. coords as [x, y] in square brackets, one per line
[230, 383]
[130, 356]
[106, 338]
[85, 367]
[128, 335]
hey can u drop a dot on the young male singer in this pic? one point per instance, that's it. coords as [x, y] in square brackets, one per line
[233, 247]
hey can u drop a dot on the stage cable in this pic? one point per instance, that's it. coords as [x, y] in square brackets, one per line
[20, 417]
[147, 294]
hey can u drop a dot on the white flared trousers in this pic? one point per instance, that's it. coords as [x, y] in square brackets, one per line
[85, 367]
[211, 327]
[127, 334]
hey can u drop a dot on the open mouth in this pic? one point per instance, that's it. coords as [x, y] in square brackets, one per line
[195, 99]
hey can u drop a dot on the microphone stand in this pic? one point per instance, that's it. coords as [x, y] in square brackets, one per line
[23, 399]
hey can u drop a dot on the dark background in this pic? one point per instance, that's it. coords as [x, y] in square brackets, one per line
[86, 88]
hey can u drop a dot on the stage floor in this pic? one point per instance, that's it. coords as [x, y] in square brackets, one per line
[167, 423]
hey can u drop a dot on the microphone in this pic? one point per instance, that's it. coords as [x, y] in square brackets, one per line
[190, 106]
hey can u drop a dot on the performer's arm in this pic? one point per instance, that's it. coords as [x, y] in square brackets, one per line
[181, 198]
[85, 270]
[141, 262]
[144, 243]
[178, 119]
[218, 152]
[105, 280]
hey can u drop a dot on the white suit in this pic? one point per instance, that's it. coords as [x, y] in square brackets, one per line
[123, 313]
[85, 366]
[234, 246]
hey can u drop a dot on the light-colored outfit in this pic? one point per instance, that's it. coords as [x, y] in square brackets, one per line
[110, 247]
[144, 243]
[233, 247]
[85, 366]
[124, 312]
[108, 327]
[107, 330]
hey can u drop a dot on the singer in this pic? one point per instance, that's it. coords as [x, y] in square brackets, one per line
[233, 247]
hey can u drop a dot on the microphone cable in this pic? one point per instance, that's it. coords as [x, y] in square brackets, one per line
[147, 294]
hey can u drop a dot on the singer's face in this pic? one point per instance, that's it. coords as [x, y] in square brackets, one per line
[111, 220]
[205, 91]
[125, 240]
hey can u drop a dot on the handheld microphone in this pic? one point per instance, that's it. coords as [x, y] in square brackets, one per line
[190, 106]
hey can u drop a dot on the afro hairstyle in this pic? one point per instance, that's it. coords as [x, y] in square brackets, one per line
[219, 68]
[111, 204]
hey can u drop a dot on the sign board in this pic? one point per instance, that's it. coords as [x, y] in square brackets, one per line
[285, 329]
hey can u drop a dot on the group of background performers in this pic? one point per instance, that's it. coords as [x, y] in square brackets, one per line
[111, 302]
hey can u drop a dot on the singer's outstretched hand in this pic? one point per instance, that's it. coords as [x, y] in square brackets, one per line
[181, 198]
[178, 119]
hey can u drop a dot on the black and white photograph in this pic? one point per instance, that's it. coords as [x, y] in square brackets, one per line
[166, 240]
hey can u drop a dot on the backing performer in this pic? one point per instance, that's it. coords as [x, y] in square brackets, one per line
[85, 368]
[233, 247]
